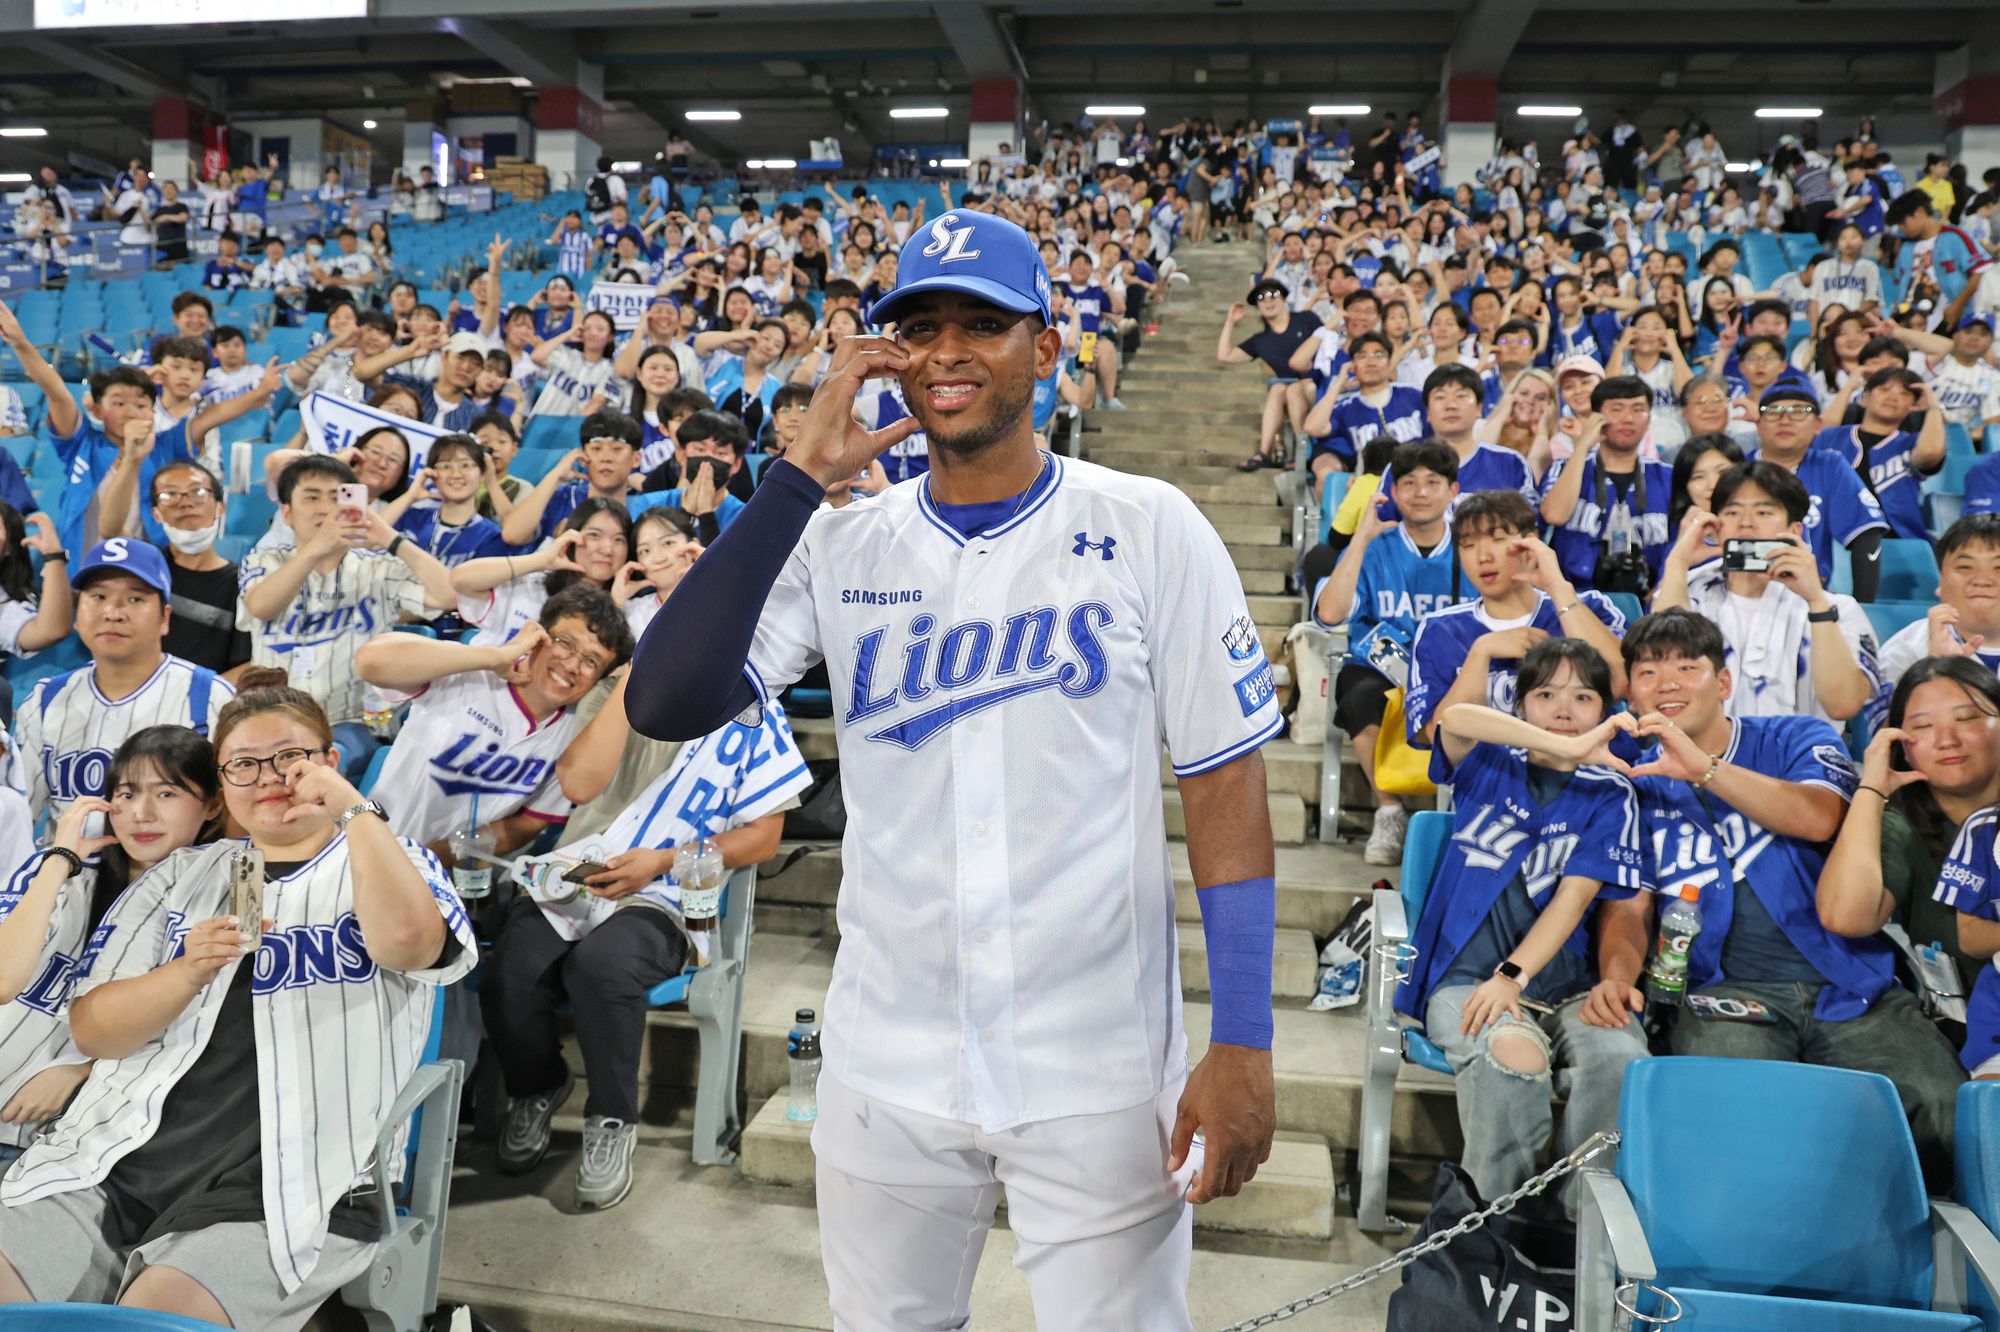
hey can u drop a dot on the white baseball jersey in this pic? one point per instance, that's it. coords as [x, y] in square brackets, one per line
[66, 730]
[315, 639]
[501, 611]
[1969, 394]
[1849, 282]
[468, 738]
[337, 1037]
[1008, 947]
[34, 1028]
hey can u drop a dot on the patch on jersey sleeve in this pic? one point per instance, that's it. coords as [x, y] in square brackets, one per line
[1839, 767]
[1240, 639]
[1256, 689]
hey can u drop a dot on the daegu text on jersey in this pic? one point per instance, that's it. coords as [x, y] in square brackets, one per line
[920, 675]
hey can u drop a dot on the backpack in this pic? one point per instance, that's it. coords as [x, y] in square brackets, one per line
[597, 194]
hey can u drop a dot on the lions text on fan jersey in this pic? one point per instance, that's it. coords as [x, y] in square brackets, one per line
[1000, 702]
[65, 730]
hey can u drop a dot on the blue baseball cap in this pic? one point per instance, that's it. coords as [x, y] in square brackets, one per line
[976, 254]
[1976, 317]
[125, 555]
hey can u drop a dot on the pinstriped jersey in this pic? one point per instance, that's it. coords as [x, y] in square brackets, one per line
[315, 639]
[66, 730]
[337, 1036]
[34, 1028]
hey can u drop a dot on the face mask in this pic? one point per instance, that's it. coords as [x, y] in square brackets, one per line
[313, 248]
[194, 540]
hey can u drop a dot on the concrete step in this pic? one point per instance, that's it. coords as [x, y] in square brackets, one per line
[1283, 611]
[1246, 515]
[1287, 767]
[1291, 1196]
[1261, 580]
[1316, 1057]
[1265, 557]
[1288, 816]
[1202, 483]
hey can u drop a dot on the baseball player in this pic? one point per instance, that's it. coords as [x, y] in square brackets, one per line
[68, 726]
[1009, 638]
[489, 723]
[218, 1149]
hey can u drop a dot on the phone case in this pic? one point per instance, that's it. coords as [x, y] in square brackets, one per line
[246, 892]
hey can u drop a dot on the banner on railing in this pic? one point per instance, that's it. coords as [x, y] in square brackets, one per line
[625, 302]
[333, 424]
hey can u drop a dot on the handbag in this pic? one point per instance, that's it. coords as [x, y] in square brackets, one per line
[1513, 1272]
[822, 813]
[1400, 769]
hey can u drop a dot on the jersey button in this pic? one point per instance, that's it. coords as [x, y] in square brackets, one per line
[972, 602]
[986, 1037]
[979, 830]
[984, 936]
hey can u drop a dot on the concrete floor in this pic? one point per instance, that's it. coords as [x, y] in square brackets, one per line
[701, 1248]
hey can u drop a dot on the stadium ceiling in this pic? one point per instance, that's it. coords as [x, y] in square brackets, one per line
[809, 70]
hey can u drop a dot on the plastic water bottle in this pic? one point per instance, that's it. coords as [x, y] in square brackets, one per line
[1680, 922]
[700, 875]
[471, 874]
[802, 1052]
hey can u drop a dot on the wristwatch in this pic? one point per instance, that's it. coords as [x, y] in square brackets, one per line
[1510, 970]
[348, 815]
[1831, 615]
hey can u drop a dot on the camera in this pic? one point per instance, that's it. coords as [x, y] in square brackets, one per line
[1625, 571]
[1747, 555]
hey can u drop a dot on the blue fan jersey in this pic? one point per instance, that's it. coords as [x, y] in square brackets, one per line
[1897, 484]
[1700, 839]
[1489, 468]
[1969, 883]
[1444, 639]
[1579, 542]
[1594, 336]
[1399, 585]
[1502, 836]
[1842, 509]
[1356, 421]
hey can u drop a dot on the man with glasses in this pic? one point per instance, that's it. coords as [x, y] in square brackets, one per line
[1760, 366]
[187, 503]
[68, 726]
[1514, 350]
[309, 604]
[1284, 331]
[1841, 509]
[489, 721]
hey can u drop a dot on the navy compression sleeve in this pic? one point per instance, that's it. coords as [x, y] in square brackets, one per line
[687, 676]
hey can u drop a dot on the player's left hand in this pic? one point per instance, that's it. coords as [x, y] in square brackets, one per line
[43, 1096]
[1232, 1099]
[318, 788]
[629, 871]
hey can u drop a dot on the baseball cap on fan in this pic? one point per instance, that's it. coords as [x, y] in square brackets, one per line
[975, 254]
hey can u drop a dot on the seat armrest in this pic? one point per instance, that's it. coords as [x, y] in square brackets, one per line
[1620, 1224]
[1392, 923]
[1961, 1237]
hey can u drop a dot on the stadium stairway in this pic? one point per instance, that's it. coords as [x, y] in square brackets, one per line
[1187, 422]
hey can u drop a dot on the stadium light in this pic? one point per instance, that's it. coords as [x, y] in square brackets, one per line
[1540, 110]
[771, 163]
[367, 124]
[624, 166]
[1788, 113]
[713, 115]
[919, 112]
[14, 178]
[1340, 109]
[24, 132]
[955, 162]
[1737, 168]
[1109, 109]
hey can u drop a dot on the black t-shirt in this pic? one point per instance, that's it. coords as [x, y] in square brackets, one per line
[812, 267]
[203, 627]
[1275, 349]
[205, 1164]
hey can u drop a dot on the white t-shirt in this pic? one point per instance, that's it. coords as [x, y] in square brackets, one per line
[138, 228]
[500, 612]
[1852, 283]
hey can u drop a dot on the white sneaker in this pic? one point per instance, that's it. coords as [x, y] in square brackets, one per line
[1385, 840]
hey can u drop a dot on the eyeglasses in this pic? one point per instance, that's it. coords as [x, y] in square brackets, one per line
[247, 771]
[176, 496]
[1709, 400]
[382, 456]
[568, 647]
[1517, 342]
[1784, 409]
[462, 465]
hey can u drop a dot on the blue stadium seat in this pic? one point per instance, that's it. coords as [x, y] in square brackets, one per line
[97, 1318]
[234, 548]
[1976, 1152]
[1891, 617]
[288, 344]
[1332, 490]
[1389, 1041]
[1719, 1160]
[551, 432]
[1909, 570]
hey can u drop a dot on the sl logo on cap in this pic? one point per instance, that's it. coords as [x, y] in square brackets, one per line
[949, 241]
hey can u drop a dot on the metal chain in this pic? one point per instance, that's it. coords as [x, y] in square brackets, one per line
[1592, 1147]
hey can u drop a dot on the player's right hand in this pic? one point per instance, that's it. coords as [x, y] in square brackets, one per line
[832, 444]
[212, 945]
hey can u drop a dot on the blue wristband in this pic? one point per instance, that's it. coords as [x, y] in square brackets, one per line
[1240, 922]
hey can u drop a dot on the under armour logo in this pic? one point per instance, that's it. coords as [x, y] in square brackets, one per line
[1083, 543]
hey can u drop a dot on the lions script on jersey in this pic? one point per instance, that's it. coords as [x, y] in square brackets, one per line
[1001, 701]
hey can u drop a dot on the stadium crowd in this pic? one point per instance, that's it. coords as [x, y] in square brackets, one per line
[1611, 530]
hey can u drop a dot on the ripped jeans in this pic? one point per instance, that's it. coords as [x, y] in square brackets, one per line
[1505, 1114]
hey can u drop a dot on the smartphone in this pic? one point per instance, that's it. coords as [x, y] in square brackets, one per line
[246, 892]
[95, 824]
[1746, 555]
[352, 499]
[579, 873]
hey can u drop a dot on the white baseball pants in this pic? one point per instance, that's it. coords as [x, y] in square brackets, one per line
[1101, 1230]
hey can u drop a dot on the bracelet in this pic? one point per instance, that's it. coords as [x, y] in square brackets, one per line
[390, 549]
[75, 861]
[56, 556]
[1874, 790]
[1575, 604]
[1831, 615]
[1714, 765]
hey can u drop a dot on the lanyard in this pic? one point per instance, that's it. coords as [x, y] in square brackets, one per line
[1634, 507]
